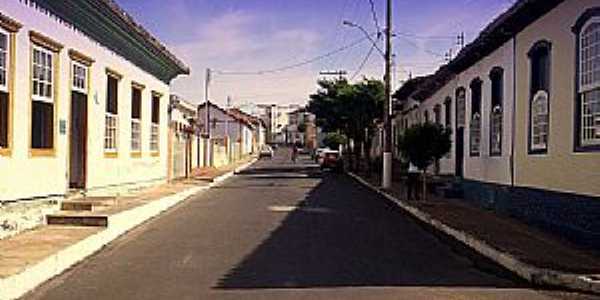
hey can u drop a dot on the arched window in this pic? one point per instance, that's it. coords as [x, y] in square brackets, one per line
[587, 29]
[539, 105]
[539, 120]
[461, 97]
[475, 124]
[497, 79]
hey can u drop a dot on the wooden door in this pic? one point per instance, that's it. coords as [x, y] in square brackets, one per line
[78, 141]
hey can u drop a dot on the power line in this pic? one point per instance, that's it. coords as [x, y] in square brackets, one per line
[296, 65]
[363, 63]
[374, 14]
[425, 37]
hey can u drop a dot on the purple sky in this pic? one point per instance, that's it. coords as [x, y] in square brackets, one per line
[250, 35]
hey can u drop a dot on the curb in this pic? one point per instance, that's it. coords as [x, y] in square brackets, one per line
[18, 285]
[534, 275]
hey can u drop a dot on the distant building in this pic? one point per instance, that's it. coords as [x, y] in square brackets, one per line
[276, 118]
[302, 129]
[185, 143]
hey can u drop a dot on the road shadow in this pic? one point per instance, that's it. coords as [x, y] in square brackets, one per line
[343, 235]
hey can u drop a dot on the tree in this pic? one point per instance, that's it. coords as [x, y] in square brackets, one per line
[424, 144]
[348, 108]
[334, 140]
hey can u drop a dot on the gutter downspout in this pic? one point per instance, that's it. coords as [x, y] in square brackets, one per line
[514, 113]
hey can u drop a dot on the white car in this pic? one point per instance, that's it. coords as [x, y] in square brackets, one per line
[266, 151]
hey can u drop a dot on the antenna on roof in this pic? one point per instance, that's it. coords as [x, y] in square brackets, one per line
[460, 40]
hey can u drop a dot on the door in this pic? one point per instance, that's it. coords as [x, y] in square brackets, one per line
[78, 140]
[460, 146]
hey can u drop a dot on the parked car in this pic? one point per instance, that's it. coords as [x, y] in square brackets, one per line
[318, 155]
[266, 151]
[331, 159]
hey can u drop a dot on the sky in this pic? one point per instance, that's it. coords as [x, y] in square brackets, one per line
[249, 36]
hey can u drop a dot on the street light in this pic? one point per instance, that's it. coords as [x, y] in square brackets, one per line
[368, 35]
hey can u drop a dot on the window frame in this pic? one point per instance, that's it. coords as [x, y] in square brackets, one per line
[136, 152]
[111, 117]
[8, 87]
[437, 114]
[7, 64]
[52, 48]
[473, 116]
[81, 89]
[496, 111]
[537, 46]
[588, 18]
[155, 124]
[463, 108]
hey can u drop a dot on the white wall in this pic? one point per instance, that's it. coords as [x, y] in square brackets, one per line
[485, 167]
[23, 176]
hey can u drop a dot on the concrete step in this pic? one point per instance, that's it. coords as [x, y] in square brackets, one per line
[87, 203]
[76, 206]
[77, 219]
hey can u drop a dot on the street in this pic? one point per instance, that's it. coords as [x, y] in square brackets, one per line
[285, 231]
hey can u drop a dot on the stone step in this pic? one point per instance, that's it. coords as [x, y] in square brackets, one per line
[87, 203]
[76, 206]
[73, 219]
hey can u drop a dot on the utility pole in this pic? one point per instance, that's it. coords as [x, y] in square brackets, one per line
[387, 136]
[207, 120]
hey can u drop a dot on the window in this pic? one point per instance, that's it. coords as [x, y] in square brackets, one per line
[42, 80]
[426, 114]
[461, 97]
[4, 97]
[111, 116]
[539, 106]
[475, 126]
[4, 61]
[497, 79]
[155, 129]
[136, 114]
[448, 118]
[79, 80]
[588, 95]
[539, 121]
[448, 113]
[437, 114]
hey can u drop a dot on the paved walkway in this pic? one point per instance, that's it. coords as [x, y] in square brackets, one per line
[527, 243]
[26, 249]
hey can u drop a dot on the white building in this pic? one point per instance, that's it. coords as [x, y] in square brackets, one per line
[84, 107]
[522, 103]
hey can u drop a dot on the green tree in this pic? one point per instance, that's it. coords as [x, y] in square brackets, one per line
[333, 140]
[424, 144]
[340, 106]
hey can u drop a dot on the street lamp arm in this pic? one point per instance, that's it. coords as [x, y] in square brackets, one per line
[348, 23]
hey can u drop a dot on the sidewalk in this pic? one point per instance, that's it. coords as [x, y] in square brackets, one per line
[32, 257]
[537, 256]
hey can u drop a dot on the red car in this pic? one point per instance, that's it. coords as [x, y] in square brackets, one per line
[332, 160]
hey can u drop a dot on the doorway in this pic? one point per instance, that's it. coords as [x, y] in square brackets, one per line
[460, 147]
[78, 141]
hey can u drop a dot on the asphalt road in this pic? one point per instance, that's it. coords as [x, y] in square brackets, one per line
[284, 231]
